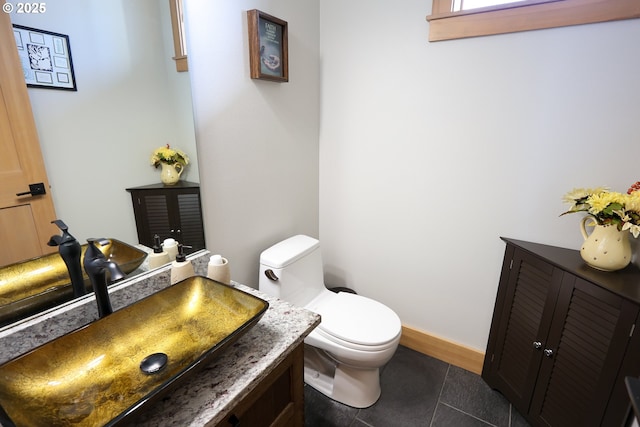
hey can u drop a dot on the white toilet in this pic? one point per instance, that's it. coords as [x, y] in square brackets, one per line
[356, 336]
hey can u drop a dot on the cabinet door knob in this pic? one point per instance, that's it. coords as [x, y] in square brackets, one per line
[548, 352]
[537, 345]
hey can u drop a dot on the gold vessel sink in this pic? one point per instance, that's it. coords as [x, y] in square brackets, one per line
[94, 375]
[31, 286]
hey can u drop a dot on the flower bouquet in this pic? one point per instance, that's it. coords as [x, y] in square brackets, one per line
[173, 162]
[612, 214]
[607, 207]
[169, 156]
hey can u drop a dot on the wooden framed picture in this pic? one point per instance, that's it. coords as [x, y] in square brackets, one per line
[268, 47]
[46, 58]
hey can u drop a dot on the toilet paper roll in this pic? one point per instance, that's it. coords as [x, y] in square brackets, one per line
[170, 246]
[216, 260]
[220, 273]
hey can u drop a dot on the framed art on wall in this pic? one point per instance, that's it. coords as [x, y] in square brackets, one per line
[45, 57]
[268, 47]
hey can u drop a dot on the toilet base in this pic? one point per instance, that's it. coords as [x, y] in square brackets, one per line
[359, 388]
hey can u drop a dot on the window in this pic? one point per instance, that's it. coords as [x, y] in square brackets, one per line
[459, 5]
[446, 23]
[179, 43]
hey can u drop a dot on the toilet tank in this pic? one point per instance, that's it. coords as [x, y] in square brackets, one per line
[296, 270]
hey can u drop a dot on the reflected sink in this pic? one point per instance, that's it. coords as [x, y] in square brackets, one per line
[31, 286]
[93, 376]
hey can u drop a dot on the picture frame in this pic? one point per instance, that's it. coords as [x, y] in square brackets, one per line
[46, 58]
[268, 47]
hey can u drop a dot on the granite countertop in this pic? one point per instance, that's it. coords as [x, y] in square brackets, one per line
[210, 395]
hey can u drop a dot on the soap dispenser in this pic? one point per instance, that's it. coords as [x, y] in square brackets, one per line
[70, 251]
[218, 269]
[181, 268]
[159, 257]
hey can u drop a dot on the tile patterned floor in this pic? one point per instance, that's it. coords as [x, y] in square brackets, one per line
[419, 391]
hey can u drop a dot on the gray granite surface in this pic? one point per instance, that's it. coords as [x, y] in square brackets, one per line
[211, 394]
[34, 331]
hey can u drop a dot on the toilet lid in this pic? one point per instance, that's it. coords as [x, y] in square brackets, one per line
[357, 319]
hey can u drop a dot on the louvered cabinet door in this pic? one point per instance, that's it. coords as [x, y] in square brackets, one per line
[586, 345]
[169, 211]
[189, 221]
[563, 337]
[154, 217]
[526, 298]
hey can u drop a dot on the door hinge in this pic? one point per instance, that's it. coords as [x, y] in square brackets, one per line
[511, 264]
[633, 327]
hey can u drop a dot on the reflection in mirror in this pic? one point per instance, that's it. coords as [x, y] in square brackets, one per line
[70, 382]
[31, 286]
[98, 141]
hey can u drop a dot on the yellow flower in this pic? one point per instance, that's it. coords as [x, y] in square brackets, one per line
[169, 155]
[581, 193]
[600, 201]
[633, 202]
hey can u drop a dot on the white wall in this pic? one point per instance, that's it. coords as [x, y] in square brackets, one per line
[257, 140]
[429, 152]
[130, 100]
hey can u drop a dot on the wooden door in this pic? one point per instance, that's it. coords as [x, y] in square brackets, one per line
[25, 222]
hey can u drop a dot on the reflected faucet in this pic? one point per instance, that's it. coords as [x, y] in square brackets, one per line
[96, 266]
[70, 251]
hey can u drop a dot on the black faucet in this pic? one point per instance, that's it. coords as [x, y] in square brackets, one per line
[70, 251]
[96, 266]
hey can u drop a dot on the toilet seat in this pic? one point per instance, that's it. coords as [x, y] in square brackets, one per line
[355, 321]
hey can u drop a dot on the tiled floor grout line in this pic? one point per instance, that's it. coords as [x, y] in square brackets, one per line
[468, 414]
[444, 381]
[361, 422]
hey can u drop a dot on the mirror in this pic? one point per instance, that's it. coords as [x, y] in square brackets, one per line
[35, 285]
[98, 141]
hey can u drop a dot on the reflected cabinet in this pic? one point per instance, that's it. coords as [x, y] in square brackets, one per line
[563, 337]
[169, 211]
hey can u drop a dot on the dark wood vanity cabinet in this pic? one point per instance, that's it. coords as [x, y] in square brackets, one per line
[277, 401]
[169, 211]
[562, 337]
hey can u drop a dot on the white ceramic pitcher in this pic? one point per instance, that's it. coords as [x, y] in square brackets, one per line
[605, 248]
